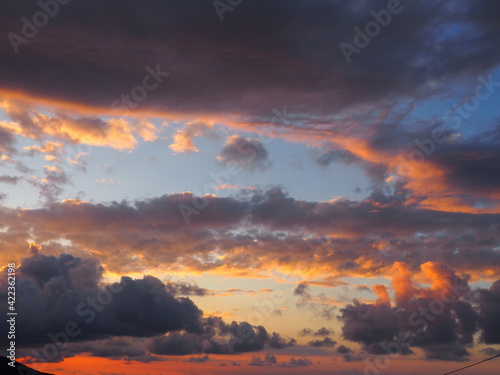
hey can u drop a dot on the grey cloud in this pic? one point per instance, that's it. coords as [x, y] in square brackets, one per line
[12, 180]
[205, 358]
[279, 342]
[69, 289]
[446, 335]
[326, 342]
[245, 154]
[185, 289]
[296, 54]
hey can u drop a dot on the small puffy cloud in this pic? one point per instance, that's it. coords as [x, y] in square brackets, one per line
[184, 138]
[298, 362]
[49, 147]
[107, 181]
[333, 154]
[226, 187]
[183, 288]
[271, 360]
[302, 290]
[348, 354]
[205, 358]
[248, 154]
[12, 180]
[323, 331]
[268, 360]
[52, 168]
[327, 342]
[52, 185]
[279, 342]
[306, 332]
[146, 130]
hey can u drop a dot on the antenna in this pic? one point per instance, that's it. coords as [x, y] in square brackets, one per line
[474, 364]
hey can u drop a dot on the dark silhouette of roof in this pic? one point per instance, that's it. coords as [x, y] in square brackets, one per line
[20, 369]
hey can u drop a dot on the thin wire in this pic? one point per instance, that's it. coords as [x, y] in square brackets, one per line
[474, 364]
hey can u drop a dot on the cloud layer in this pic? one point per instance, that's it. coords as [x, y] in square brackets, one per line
[440, 319]
[130, 319]
[340, 237]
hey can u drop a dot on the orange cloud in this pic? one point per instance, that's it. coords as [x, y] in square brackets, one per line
[226, 186]
[47, 148]
[184, 138]
[381, 292]
[29, 122]
[105, 180]
[403, 283]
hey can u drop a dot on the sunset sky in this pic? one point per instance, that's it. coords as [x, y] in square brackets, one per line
[251, 186]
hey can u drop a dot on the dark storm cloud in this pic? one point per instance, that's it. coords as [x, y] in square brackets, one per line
[467, 164]
[369, 325]
[258, 338]
[489, 304]
[80, 274]
[247, 154]
[265, 56]
[126, 320]
[472, 165]
[292, 48]
[442, 325]
[68, 289]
